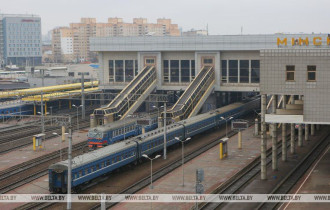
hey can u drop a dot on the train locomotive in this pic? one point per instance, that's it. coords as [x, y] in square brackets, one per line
[117, 131]
[95, 164]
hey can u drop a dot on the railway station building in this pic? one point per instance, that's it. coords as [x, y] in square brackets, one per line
[282, 64]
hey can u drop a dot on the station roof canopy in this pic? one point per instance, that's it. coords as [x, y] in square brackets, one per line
[59, 95]
[48, 89]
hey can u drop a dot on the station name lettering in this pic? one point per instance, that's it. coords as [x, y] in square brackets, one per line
[316, 41]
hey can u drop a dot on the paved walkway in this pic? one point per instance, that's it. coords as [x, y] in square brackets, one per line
[26, 153]
[216, 172]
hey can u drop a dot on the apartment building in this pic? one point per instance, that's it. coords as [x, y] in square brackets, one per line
[71, 44]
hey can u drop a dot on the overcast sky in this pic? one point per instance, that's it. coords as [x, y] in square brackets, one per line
[222, 16]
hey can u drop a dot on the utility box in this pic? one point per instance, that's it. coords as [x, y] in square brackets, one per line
[223, 148]
[37, 141]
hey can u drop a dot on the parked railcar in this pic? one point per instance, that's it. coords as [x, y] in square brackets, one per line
[15, 109]
[91, 165]
[113, 132]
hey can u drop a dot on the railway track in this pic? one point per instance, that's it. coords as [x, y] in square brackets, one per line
[27, 140]
[140, 184]
[237, 182]
[26, 172]
[294, 175]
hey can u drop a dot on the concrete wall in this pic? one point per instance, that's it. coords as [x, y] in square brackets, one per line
[316, 94]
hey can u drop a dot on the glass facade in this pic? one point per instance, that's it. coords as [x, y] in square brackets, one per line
[244, 71]
[185, 68]
[255, 71]
[240, 71]
[129, 70]
[178, 71]
[233, 71]
[122, 70]
[174, 70]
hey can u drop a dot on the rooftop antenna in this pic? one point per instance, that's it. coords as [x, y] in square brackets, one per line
[207, 29]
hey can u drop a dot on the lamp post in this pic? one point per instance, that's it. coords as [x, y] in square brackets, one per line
[165, 142]
[60, 143]
[151, 159]
[182, 149]
[77, 114]
[226, 119]
[42, 123]
[124, 123]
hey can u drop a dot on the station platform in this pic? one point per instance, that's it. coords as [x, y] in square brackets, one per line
[216, 172]
[40, 185]
[24, 154]
[315, 181]
[274, 177]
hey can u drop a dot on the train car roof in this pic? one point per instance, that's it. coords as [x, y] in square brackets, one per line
[95, 155]
[113, 125]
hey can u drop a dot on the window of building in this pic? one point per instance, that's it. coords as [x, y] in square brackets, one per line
[174, 70]
[150, 61]
[129, 70]
[119, 66]
[192, 69]
[71, 74]
[136, 68]
[290, 72]
[255, 71]
[185, 68]
[111, 71]
[233, 71]
[311, 73]
[244, 71]
[224, 70]
[165, 70]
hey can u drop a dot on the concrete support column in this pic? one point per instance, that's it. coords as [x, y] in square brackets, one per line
[312, 129]
[274, 136]
[274, 147]
[284, 143]
[300, 136]
[306, 132]
[239, 139]
[292, 140]
[263, 144]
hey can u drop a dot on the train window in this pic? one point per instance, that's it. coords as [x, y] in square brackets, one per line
[80, 173]
[108, 162]
[118, 158]
[97, 166]
[113, 160]
[102, 165]
[86, 171]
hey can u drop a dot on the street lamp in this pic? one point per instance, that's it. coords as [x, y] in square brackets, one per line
[124, 124]
[60, 143]
[226, 119]
[77, 115]
[151, 159]
[165, 142]
[182, 143]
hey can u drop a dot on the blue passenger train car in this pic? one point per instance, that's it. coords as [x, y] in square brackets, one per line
[113, 132]
[14, 109]
[89, 166]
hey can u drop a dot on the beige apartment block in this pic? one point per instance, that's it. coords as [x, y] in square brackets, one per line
[71, 44]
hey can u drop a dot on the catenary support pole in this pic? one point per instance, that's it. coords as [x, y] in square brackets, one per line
[83, 109]
[263, 138]
[284, 138]
[165, 134]
[69, 165]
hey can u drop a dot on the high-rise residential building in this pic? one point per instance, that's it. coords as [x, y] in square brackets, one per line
[20, 40]
[71, 44]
